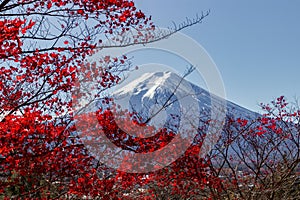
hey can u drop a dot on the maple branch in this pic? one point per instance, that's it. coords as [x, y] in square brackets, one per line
[3, 4]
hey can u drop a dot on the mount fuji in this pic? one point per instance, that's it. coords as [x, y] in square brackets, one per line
[158, 97]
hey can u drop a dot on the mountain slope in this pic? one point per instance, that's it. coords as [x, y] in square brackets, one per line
[163, 90]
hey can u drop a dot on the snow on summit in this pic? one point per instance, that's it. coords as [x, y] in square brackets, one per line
[152, 81]
[158, 87]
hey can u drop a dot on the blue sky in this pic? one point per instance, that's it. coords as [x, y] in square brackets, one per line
[255, 44]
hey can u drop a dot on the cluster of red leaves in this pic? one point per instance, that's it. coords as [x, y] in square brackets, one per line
[275, 115]
[37, 148]
[10, 42]
[41, 155]
[255, 147]
[269, 122]
[188, 176]
[121, 13]
[35, 151]
[157, 140]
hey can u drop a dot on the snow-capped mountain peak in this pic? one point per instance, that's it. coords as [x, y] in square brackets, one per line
[151, 82]
[159, 87]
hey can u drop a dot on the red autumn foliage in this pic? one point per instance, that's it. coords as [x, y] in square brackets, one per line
[43, 51]
[43, 47]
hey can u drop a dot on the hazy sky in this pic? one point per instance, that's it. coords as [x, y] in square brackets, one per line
[255, 44]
